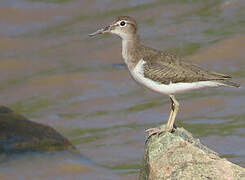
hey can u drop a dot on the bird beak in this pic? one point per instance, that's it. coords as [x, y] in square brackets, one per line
[101, 31]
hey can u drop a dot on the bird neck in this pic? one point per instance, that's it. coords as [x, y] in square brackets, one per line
[129, 50]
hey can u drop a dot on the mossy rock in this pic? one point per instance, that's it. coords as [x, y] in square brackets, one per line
[18, 135]
[179, 155]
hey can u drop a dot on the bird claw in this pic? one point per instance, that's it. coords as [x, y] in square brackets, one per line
[169, 129]
[154, 131]
[159, 130]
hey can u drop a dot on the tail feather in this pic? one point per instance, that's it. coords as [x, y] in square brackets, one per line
[229, 83]
[219, 75]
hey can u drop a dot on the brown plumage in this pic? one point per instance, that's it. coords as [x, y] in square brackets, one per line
[166, 68]
[160, 71]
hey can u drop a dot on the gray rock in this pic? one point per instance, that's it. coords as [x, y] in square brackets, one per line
[180, 156]
[18, 135]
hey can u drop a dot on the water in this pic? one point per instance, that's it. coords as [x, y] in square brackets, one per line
[52, 73]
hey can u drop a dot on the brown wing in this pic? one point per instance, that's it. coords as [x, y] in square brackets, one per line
[173, 70]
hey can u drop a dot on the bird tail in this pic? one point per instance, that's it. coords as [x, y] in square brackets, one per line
[229, 83]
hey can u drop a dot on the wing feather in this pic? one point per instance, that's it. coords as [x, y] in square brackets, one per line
[174, 71]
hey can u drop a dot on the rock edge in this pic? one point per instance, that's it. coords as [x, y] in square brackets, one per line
[179, 155]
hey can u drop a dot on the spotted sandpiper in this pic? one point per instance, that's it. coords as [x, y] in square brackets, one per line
[160, 71]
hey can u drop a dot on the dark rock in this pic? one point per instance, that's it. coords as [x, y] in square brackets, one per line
[180, 156]
[18, 134]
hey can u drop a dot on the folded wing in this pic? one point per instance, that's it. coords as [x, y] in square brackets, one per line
[173, 70]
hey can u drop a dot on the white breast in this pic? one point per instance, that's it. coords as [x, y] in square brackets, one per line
[172, 88]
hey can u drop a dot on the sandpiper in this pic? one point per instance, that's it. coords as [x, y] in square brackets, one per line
[160, 71]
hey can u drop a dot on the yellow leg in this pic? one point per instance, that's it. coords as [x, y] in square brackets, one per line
[173, 113]
[170, 123]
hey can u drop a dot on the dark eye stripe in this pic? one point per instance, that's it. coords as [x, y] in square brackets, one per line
[131, 23]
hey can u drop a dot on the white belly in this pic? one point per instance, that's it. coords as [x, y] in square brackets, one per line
[172, 88]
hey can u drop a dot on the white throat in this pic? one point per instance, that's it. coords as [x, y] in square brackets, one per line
[127, 50]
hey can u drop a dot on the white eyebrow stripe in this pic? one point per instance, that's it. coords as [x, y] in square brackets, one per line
[127, 22]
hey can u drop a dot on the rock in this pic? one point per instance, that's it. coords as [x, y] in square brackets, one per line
[18, 134]
[180, 156]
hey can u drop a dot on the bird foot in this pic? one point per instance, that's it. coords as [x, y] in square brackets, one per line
[159, 130]
[154, 131]
[169, 129]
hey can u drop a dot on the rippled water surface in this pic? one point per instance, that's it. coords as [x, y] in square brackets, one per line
[51, 72]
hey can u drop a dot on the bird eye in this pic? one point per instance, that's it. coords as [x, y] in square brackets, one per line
[122, 23]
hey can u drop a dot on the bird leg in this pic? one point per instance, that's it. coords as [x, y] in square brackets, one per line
[170, 124]
[173, 113]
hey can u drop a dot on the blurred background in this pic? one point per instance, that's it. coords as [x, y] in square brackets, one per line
[52, 73]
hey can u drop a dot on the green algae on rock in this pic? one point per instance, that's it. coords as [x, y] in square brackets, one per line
[18, 134]
[180, 156]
